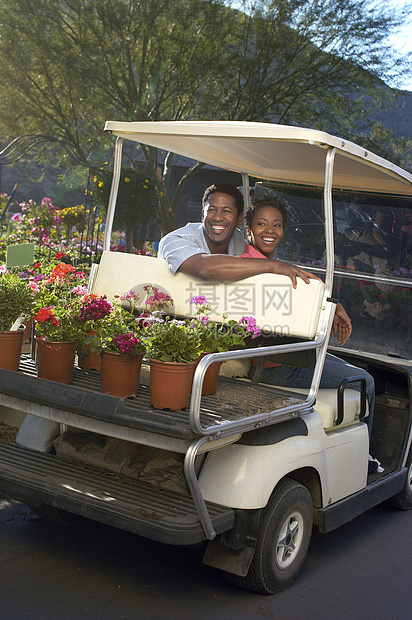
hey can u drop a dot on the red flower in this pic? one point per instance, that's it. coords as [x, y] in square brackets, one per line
[44, 314]
[60, 271]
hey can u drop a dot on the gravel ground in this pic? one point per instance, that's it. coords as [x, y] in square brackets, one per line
[8, 433]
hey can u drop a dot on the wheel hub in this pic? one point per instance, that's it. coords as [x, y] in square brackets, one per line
[289, 540]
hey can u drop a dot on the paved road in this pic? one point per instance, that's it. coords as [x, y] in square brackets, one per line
[361, 571]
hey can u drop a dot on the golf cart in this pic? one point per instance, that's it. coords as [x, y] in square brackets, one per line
[260, 465]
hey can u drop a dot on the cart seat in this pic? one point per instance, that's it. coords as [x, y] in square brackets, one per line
[327, 406]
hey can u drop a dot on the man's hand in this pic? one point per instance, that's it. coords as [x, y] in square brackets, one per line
[341, 324]
[293, 272]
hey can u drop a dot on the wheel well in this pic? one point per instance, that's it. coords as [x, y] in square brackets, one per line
[309, 478]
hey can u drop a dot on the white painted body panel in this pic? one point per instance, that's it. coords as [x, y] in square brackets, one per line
[243, 476]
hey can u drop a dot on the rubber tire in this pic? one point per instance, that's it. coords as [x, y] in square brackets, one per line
[403, 499]
[56, 515]
[290, 504]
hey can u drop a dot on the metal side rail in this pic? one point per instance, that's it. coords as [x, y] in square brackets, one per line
[221, 428]
[34, 478]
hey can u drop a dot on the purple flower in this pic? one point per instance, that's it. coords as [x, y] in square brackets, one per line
[144, 320]
[126, 343]
[198, 299]
[95, 309]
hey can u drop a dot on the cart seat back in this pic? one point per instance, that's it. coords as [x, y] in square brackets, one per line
[277, 307]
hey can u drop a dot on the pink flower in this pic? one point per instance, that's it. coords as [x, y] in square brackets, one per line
[95, 309]
[80, 290]
[34, 287]
[251, 326]
[157, 300]
[131, 295]
[126, 343]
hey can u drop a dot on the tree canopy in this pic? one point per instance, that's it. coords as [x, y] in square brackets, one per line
[68, 66]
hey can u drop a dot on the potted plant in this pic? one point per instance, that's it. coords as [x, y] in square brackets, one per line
[173, 349]
[174, 346]
[15, 305]
[123, 346]
[215, 337]
[58, 299]
[93, 310]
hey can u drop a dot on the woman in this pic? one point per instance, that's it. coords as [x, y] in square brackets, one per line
[266, 221]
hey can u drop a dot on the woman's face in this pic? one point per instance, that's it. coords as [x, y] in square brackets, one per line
[267, 230]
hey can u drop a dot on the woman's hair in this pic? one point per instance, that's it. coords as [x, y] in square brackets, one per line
[224, 188]
[266, 202]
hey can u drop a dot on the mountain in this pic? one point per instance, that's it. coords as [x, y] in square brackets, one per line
[399, 118]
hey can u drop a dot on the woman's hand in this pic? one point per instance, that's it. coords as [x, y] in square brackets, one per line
[341, 324]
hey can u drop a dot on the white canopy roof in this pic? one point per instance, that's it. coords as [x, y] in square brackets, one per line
[270, 152]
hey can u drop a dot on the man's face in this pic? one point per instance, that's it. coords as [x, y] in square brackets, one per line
[220, 218]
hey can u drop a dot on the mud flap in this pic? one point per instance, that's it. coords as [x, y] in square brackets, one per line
[235, 561]
[233, 551]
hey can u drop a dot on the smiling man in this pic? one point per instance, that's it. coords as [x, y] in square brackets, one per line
[212, 248]
[217, 233]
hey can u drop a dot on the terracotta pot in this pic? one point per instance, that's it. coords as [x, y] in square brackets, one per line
[55, 360]
[33, 348]
[211, 377]
[120, 373]
[27, 331]
[85, 359]
[10, 349]
[89, 362]
[170, 384]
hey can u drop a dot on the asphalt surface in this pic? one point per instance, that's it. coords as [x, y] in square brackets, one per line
[362, 571]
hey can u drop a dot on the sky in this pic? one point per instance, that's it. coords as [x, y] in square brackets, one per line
[403, 40]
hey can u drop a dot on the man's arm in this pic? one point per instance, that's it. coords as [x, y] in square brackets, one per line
[221, 267]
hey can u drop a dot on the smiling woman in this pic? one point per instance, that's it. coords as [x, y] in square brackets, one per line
[266, 221]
